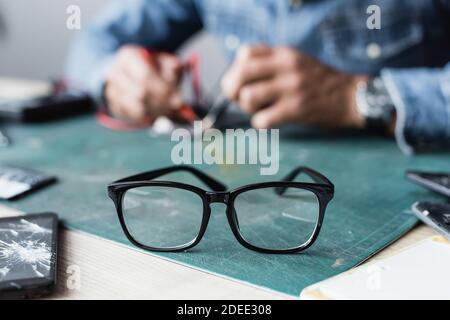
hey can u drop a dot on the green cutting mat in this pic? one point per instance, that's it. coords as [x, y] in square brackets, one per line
[370, 209]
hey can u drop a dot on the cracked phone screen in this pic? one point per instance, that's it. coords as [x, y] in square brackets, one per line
[25, 248]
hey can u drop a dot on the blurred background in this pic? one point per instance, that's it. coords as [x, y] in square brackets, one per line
[34, 39]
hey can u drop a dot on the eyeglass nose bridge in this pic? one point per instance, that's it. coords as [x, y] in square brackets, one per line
[218, 197]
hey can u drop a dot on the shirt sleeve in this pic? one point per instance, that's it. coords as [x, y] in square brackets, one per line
[422, 99]
[155, 24]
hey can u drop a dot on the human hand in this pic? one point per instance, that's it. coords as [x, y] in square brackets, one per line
[282, 85]
[138, 89]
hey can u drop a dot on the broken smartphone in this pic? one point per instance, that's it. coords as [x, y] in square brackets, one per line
[435, 215]
[28, 255]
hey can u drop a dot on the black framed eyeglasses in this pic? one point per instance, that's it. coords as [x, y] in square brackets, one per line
[270, 217]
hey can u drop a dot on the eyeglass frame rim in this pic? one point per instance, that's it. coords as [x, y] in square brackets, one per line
[323, 192]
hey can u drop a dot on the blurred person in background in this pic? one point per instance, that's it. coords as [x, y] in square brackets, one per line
[317, 63]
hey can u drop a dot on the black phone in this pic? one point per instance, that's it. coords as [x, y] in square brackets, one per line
[28, 255]
[47, 108]
[16, 182]
[438, 182]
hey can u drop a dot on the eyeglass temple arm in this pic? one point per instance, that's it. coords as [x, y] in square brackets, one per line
[208, 180]
[314, 175]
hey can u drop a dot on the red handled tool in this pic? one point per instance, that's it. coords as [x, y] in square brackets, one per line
[186, 111]
[192, 68]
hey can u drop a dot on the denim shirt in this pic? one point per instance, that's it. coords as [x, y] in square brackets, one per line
[411, 52]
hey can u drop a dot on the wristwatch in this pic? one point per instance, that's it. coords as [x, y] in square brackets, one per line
[375, 104]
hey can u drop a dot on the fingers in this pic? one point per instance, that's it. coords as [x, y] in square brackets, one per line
[258, 95]
[126, 108]
[160, 82]
[126, 100]
[283, 111]
[260, 63]
[137, 67]
[170, 67]
[138, 87]
[251, 64]
[277, 77]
